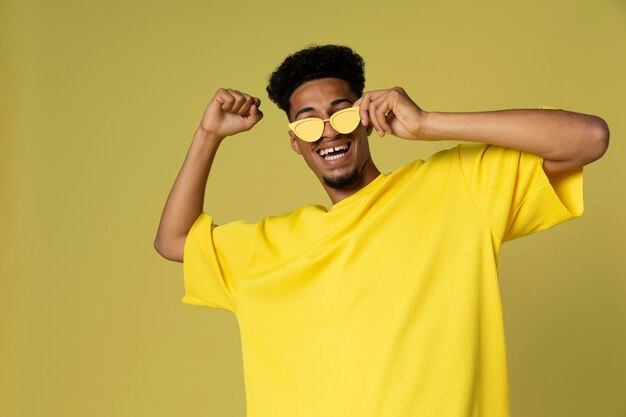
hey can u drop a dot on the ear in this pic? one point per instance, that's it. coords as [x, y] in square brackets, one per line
[295, 145]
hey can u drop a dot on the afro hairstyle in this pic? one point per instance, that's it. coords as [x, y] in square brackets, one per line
[312, 63]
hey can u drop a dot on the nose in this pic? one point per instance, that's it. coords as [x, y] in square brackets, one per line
[329, 131]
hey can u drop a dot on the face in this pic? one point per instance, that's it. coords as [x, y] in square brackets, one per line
[348, 167]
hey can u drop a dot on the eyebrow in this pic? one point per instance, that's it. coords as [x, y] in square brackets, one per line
[332, 103]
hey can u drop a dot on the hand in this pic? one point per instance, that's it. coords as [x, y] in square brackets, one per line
[391, 111]
[230, 112]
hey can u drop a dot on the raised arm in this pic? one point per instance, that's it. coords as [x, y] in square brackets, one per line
[229, 112]
[565, 140]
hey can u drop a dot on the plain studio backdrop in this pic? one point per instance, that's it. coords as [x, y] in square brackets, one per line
[99, 104]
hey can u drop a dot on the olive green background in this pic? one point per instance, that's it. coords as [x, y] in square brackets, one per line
[99, 101]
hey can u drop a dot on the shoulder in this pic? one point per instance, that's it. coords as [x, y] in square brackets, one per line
[481, 151]
[290, 219]
[462, 160]
[471, 152]
[444, 156]
[497, 159]
[439, 160]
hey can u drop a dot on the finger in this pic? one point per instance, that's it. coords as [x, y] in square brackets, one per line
[374, 116]
[256, 113]
[374, 94]
[240, 99]
[390, 116]
[363, 111]
[255, 116]
[225, 98]
[382, 106]
[364, 103]
[244, 110]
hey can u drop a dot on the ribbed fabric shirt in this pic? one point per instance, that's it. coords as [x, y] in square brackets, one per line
[386, 304]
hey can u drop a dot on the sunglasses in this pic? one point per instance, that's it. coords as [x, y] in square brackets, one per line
[311, 128]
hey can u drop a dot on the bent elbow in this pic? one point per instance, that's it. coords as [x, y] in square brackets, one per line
[170, 251]
[598, 139]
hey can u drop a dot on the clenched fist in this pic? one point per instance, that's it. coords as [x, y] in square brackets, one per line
[230, 112]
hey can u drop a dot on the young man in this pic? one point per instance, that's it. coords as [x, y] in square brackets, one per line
[387, 304]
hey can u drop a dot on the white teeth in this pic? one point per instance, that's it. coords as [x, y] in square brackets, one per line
[326, 151]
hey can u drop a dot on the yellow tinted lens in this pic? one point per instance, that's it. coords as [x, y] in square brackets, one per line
[309, 130]
[345, 121]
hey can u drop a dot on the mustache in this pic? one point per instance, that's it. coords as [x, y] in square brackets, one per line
[336, 137]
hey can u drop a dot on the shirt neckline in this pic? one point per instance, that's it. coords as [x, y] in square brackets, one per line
[365, 190]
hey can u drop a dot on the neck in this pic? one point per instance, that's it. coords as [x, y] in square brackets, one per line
[368, 174]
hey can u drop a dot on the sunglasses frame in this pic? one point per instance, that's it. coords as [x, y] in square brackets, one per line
[294, 125]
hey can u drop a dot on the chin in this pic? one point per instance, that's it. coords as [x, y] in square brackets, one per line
[344, 181]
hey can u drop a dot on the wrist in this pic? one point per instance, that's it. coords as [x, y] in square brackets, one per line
[430, 126]
[206, 136]
[425, 126]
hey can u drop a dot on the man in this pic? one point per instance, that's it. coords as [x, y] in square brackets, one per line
[387, 304]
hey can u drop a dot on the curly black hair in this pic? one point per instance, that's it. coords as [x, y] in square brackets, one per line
[312, 63]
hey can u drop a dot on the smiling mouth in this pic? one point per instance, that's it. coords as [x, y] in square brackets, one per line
[336, 152]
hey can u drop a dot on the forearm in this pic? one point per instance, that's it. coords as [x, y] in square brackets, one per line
[186, 199]
[560, 136]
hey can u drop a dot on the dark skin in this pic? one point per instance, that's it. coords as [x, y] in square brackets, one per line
[565, 140]
[321, 98]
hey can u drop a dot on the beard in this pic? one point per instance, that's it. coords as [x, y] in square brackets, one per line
[344, 181]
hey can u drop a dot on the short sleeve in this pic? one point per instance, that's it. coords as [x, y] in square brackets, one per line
[513, 193]
[215, 259]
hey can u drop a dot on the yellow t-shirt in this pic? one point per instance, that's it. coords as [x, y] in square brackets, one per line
[386, 305]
